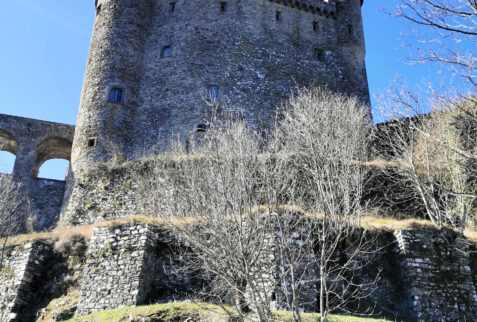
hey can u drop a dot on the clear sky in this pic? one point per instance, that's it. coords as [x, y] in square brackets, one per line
[44, 48]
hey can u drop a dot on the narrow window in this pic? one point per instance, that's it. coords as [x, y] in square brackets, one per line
[315, 26]
[278, 16]
[91, 142]
[116, 95]
[202, 127]
[212, 94]
[223, 6]
[166, 51]
[172, 6]
[318, 54]
[350, 29]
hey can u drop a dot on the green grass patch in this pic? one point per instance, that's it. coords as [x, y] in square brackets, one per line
[177, 311]
[182, 311]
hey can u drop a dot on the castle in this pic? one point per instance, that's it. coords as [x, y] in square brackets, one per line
[153, 71]
[155, 66]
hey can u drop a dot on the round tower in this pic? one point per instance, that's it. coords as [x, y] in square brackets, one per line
[249, 55]
[351, 42]
[156, 68]
[110, 91]
[156, 65]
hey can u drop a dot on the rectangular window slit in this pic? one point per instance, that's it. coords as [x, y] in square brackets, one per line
[202, 127]
[116, 95]
[91, 142]
[318, 54]
[212, 94]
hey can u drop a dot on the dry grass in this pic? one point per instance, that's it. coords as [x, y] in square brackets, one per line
[471, 235]
[381, 163]
[391, 224]
[86, 231]
[367, 222]
[57, 234]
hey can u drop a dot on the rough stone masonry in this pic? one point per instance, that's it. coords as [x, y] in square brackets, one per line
[156, 69]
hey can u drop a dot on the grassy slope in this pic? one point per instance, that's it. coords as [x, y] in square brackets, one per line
[182, 311]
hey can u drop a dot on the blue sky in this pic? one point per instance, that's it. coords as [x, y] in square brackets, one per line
[45, 43]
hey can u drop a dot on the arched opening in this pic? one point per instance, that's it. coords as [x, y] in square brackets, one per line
[56, 169]
[52, 149]
[8, 151]
[7, 162]
[166, 51]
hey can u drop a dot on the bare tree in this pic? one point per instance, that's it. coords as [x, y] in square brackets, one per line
[445, 26]
[247, 206]
[209, 199]
[323, 140]
[12, 211]
[434, 154]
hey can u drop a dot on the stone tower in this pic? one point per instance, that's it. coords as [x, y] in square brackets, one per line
[153, 64]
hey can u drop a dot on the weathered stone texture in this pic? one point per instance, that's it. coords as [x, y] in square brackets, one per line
[437, 276]
[20, 279]
[301, 247]
[104, 194]
[426, 274]
[133, 264]
[34, 142]
[256, 56]
[47, 199]
[119, 268]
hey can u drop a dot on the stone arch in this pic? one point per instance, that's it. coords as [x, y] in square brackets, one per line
[51, 148]
[8, 147]
[8, 142]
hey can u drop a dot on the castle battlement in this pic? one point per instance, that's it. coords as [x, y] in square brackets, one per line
[319, 7]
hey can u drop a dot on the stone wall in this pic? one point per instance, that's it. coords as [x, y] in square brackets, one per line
[44, 199]
[118, 191]
[133, 264]
[307, 291]
[437, 275]
[34, 142]
[105, 193]
[119, 268]
[21, 277]
[256, 52]
[47, 200]
[425, 274]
